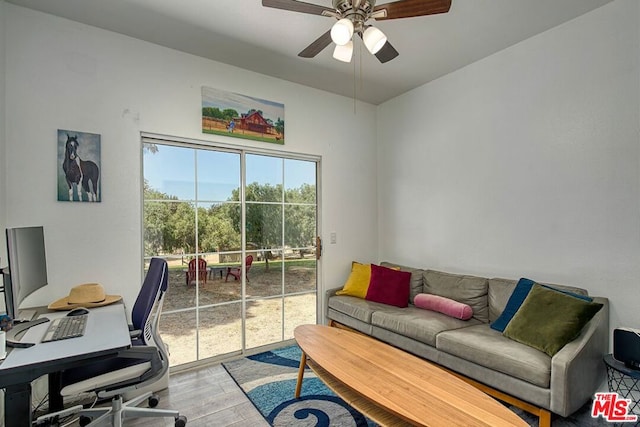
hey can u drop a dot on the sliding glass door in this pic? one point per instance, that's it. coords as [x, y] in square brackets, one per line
[238, 230]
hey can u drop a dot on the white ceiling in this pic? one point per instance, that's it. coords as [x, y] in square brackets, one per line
[246, 34]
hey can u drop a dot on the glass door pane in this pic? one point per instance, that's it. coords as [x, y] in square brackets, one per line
[300, 224]
[264, 322]
[219, 301]
[189, 209]
[169, 220]
[264, 232]
[299, 310]
[264, 196]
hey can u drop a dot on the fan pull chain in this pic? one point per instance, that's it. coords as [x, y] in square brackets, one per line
[360, 55]
[354, 84]
[357, 75]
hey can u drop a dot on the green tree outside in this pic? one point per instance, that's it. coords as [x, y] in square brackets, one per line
[169, 224]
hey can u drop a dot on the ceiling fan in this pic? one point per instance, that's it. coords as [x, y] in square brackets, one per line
[352, 16]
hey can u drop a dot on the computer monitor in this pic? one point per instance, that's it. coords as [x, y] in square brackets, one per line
[27, 271]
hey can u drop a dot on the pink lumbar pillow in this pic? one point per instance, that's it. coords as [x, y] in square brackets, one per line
[443, 305]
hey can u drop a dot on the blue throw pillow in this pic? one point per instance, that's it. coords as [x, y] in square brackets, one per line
[516, 299]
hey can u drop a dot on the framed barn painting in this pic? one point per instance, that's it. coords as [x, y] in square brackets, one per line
[242, 116]
[79, 167]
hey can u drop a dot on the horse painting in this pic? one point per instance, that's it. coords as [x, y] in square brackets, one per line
[81, 174]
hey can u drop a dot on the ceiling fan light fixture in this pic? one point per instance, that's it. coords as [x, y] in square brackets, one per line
[374, 39]
[342, 31]
[343, 52]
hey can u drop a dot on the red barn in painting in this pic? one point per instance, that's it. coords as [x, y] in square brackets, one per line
[255, 122]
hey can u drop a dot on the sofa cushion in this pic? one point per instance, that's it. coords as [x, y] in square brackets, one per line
[486, 347]
[420, 325]
[548, 319]
[500, 291]
[357, 283]
[443, 305]
[470, 290]
[389, 286]
[415, 286]
[355, 307]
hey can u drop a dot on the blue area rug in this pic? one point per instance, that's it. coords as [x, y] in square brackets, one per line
[269, 380]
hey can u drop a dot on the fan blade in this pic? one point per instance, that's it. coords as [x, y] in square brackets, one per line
[387, 53]
[296, 6]
[411, 8]
[317, 46]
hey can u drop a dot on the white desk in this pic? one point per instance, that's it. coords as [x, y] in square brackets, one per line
[105, 335]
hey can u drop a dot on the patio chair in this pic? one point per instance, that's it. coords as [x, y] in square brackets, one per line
[196, 266]
[236, 271]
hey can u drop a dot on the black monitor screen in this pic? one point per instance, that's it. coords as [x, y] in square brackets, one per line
[27, 266]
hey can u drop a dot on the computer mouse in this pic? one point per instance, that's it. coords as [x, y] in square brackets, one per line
[78, 311]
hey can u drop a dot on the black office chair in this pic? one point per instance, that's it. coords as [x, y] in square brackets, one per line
[138, 367]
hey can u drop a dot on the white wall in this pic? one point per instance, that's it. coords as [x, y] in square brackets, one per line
[525, 163]
[65, 75]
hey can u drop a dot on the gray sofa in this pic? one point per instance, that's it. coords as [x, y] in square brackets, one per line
[560, 384]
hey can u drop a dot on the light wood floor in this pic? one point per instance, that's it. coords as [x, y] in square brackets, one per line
[208, 397]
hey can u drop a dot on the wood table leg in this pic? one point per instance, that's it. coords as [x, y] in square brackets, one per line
[303, 364]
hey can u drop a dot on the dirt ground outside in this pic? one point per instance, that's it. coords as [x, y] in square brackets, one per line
[220, 323]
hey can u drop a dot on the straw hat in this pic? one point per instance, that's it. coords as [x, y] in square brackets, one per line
[87, 295]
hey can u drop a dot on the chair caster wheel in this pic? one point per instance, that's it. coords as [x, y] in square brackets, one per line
[153, 401]
[84, 421]
[181, 421]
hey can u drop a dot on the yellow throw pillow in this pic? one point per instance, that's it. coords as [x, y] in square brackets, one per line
[358, 282]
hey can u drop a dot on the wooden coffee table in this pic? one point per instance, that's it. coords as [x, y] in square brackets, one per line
[393, 387]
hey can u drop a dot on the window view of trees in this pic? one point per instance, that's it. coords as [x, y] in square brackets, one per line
[169, 223]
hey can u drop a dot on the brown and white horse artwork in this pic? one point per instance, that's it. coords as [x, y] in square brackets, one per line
[80, 174]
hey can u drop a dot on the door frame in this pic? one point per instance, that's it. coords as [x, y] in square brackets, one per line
[154, 138]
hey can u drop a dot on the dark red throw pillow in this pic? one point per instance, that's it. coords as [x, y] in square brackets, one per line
[389, 286]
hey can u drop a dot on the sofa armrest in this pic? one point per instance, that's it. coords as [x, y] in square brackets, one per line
[331, 292]
[328, 294]
[578, 369]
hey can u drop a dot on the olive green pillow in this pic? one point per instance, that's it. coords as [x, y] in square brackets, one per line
[548, 319]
